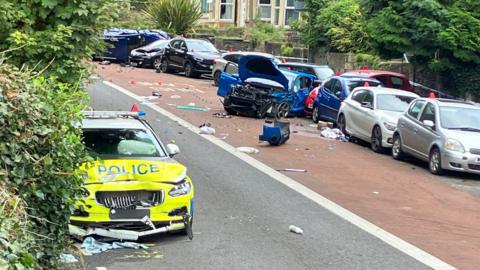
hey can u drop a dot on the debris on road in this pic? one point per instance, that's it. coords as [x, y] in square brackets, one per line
[247, 150]
[224, 135]
[67, 258]
[207, 129]
[175, 97]
[313, 125]
[334, 134]
[156, 94]
[275, 132]
[92, 246]
[322, 125]
[295, 229]
[105, 62]
[149, 99]
[291, 170]
[192, 108]
[221, 115]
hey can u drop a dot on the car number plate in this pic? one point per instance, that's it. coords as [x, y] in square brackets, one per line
[129, 213]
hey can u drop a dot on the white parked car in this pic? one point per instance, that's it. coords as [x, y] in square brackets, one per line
[371, 114]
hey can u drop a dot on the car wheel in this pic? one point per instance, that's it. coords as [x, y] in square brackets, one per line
[157, 63]
[397, 152]
[282, 110]
[315, 114]
[376, 142]
[188, 230]
[216, 78]
[342, 124]
[164, 66]
[189, 71]
[226, 107]
[435, 162]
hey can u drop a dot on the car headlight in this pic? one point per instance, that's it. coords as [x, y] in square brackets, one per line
[198, 59]
[390, 126]
[180, 189]
[454, 145]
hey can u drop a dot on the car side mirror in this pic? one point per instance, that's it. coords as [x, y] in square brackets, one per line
[429, 124]
[172, 149]
[367, 105]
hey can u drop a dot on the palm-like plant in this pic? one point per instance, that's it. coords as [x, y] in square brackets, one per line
[174, 16]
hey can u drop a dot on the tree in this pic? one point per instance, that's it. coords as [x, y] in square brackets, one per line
[175, 16]
[58, 34]
[335, 25]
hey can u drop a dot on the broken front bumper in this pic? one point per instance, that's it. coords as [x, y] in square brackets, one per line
[113, 210]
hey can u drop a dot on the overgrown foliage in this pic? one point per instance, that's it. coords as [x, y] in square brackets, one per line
[337, 25]
[44, 45]
[261, 31]
[176, 17]
[59, 34]
[40, 150]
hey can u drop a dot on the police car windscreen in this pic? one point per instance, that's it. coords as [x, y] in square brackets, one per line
[111, 143]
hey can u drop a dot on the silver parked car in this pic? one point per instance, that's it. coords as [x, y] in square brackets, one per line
[444, 132]
[229, 63]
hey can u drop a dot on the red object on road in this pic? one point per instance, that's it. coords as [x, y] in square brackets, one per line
[134, 108]
[132, 82]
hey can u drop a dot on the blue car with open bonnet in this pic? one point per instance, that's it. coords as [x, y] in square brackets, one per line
[260, 88]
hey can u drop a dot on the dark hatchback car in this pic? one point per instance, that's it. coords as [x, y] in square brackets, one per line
[149, 55]
[193, 56]
[321, 72]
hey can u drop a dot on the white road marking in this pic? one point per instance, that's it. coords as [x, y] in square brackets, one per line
[101, 268]
[390, 239]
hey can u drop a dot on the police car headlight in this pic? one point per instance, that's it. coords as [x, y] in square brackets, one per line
[181, 189]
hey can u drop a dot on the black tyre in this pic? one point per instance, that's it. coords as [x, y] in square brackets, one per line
[164, 66]
[315, 117]
[226, 107]
[282, 110]
[188, 230]
[157, 63]
[376, 141]
[216, 78]
[189, 72]
[397, 152]
[342, 124]
[435, 162]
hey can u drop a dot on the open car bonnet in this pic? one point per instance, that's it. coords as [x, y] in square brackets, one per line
[104, 171]
[254, 66]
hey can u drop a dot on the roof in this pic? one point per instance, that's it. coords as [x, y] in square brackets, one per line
[391, 91]
[452, 102]
[371, 73]
[112, 123]
[249, 53]
[302, 65]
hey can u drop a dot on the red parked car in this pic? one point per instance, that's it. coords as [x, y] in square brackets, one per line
[387, 78]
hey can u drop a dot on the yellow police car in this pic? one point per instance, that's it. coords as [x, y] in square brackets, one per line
[134, 188]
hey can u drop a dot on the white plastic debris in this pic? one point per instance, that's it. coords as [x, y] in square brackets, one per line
[247, 150]
[207, 130]
[334, 134]
[67, 258]
[191, 104]
[175, 97]
[295, 229]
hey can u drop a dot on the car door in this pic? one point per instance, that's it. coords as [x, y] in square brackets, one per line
[169, 50]
[425, 135]
[409, 126]
[323, 98]
[301, 90]
[227, 79]
[337, 95]
[352, 111]
[366, 115]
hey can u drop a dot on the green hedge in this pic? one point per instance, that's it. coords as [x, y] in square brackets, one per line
[40, 150]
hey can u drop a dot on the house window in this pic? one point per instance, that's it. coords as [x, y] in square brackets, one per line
[226, 9]
[277, 12]
[204, 6]
[265, 9]
[291, 14]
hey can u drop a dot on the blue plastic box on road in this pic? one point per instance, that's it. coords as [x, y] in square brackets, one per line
[123, 41]
[275, 132]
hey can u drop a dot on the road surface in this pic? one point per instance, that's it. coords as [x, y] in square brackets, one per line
[242, 217]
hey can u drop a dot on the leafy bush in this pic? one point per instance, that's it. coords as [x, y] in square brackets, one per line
[40, 151]
[286, 50]
[177, 16]
[372, 61]
[261, 31]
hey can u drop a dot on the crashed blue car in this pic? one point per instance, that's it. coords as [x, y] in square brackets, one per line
[260, 88]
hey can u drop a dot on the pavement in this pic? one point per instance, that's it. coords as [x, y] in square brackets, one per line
[437, 214]
[242, 217]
